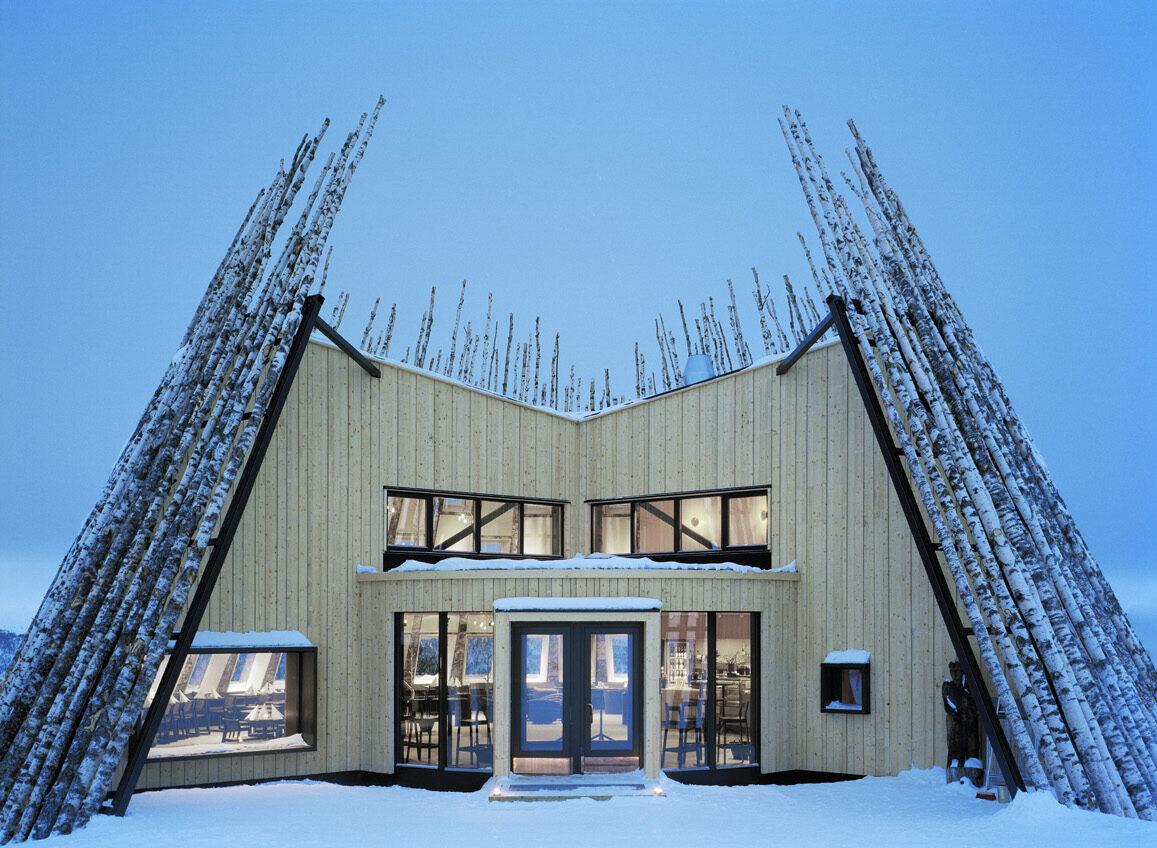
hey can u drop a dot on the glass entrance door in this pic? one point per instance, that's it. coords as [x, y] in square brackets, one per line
[577, 698]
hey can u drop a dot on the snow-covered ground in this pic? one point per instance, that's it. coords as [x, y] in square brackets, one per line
[915, 809]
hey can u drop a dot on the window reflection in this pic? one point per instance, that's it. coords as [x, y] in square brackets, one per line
[468, 524]
[405, 522]
[684, 689]
[541, 724]
[747, 520]
[543, 531]
[612, 691]
[470, 689]
[229, 702]
[654, 526]
[733, 742]
[613, 528]
[453, 524]
[421, 655]
[467, 714]
[500, 530]
[701, 524]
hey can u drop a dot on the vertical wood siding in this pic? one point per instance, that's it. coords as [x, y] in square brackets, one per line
[772, 596]
[834, 512]
[317, 511]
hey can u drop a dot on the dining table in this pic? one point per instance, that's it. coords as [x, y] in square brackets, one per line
[263, 720]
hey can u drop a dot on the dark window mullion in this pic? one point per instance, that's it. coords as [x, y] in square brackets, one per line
[521, 528]
[725, 521]
[678, 524]
[429, 522]
[399, 686]
[477, 525]
[754, 735]
[634, 543]
[443, 706]
[709, 722]
[558, 528]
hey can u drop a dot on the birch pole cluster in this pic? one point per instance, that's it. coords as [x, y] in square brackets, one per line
[75, 690]
[498, 360]
[1079, 690]
[490, 358]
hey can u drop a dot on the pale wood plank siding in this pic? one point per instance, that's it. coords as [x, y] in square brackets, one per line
[317, 512]
[806, 435]
[772, 596]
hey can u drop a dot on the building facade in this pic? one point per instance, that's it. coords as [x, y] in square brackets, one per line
[779, 625]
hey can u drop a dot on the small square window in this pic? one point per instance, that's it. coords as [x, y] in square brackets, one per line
[845, 688]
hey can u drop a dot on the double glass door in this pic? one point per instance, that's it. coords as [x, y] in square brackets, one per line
[577, 698]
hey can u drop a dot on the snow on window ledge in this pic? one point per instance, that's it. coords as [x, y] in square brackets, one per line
[840, 706]
[296, 742]
[593, 561]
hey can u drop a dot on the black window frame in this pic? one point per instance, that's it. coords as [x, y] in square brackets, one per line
[393, 556]
[753, 710]
[306, 707]
[758, 555]
[831, 683]
[442, 767]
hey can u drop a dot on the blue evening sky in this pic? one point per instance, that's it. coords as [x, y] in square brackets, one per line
[588, 163]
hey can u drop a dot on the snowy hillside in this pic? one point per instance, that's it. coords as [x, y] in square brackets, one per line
[9, 642]
[914, 809]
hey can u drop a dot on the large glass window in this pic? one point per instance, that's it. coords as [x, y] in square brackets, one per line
[747, 521]
[734, 745]
[405, 522]
[470, 690]
[542, 529]
[420, 681]
[446, 524]
[693, 523]
[654, 526]
[541, 727]
[684, 690]
[454, 524]
[230, 703]
[709, 690]
[701, 524]
[500, 527]
[446, 690]
[612, 528]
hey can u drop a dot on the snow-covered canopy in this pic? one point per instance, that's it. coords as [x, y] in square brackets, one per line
[576, 604]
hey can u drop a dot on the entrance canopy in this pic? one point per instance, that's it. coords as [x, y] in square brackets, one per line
[577, 604]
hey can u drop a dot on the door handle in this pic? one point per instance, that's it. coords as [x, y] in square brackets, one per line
[590, 714]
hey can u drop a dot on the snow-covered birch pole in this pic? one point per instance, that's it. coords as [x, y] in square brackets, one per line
[94, 712]
[370, 324]
[1088, 713]
[454, 333]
